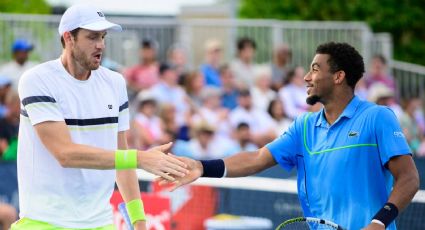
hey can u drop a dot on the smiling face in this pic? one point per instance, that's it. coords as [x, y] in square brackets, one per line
[320, 81]
[87, 48]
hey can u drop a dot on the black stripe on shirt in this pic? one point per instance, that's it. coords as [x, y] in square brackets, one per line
[123, 106]
[92, 121]
[36, 99]
[24, 113]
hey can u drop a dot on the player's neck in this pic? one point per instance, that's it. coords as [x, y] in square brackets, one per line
[73, 67]
[335, 106]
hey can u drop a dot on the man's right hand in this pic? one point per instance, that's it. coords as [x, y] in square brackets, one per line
[195, 171]
[155, 161]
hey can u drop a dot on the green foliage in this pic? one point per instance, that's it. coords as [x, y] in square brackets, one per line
[403, 18]
[24, 6]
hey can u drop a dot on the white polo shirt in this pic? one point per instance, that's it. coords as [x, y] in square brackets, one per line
[95, 110]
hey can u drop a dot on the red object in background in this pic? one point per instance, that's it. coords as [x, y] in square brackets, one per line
[200, 204]
[157, 209]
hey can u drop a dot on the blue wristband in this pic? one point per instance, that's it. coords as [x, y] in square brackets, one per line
[213, 168]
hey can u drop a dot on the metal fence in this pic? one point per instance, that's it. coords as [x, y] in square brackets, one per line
[301, 36]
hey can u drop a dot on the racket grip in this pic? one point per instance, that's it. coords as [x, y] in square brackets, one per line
[123, 210]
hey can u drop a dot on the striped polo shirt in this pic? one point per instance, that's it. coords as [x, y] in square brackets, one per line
[94, 110]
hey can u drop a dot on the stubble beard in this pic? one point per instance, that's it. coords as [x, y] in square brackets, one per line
[81, 58]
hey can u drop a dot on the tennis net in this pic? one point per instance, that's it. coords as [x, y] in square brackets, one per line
[269, 198]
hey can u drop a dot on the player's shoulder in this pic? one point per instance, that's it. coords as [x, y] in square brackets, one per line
[43, 71]
[110, 75]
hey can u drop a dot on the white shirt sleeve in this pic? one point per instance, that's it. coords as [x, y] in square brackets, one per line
[38, 102]
[124, 115]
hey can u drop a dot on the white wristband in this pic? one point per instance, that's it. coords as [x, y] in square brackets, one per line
[377, 222]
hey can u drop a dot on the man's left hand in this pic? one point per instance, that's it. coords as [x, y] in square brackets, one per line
[140, 225]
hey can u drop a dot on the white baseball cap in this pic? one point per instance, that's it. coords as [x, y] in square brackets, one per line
[87, 17]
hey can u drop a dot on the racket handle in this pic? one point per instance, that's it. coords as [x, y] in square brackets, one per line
[123, 210]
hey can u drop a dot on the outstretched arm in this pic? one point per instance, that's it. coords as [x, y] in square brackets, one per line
[56, 138]
[238, 165]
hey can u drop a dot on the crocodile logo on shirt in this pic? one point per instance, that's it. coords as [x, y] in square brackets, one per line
[353, 134]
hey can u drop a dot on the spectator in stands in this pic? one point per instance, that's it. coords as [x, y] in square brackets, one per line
[243, 139]
[145, 74]
[9, 126]
[229, 97]
[243, 66]
[383, 95]
[378, 72]
[177, 57]
[193, 84]
[14, 69]
[5, 86]
[147, 125]
[168, 115]
[409, 124]
[205, 145]
[261, 92]
[212, 113]
[168, 91]
[280, 65]
[210, 69]
[280, 119]
[8, 215]
[260, 122]
[293, 93]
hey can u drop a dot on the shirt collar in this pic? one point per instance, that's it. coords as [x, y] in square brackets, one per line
[348, 112]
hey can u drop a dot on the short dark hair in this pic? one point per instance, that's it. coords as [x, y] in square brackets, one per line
[242, 125]
[343, 56]
[73, 32]
[244, 42]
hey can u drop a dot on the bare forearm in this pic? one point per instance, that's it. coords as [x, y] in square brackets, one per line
[404, 190]
[128, 184]
[84, 156]
[248, 163]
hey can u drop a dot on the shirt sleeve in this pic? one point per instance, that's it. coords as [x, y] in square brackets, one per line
[284, 149]
[389, 135]
[38, 102]
[124, 115]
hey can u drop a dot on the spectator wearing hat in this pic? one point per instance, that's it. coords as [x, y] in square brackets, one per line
[381, 94]
[210, 69]
[144, 75]
[14, 69]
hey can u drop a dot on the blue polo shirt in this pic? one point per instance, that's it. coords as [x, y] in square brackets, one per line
[342, 173]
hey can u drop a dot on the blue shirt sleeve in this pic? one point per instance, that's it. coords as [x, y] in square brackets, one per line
[285, 147]
[389, 135]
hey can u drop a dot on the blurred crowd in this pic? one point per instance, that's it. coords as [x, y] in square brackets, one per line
[219, 108]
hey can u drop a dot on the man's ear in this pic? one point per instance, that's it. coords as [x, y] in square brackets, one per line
[67, 37]
[339, 77]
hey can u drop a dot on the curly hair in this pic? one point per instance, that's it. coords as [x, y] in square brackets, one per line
[343, 56]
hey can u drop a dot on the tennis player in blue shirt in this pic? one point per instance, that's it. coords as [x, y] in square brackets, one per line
[354, 165]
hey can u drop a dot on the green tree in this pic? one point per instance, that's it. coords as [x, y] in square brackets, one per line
[403, 18]
[25, 6]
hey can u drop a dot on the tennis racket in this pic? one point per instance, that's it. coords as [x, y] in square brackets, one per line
[123, 210]
[308, 223]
